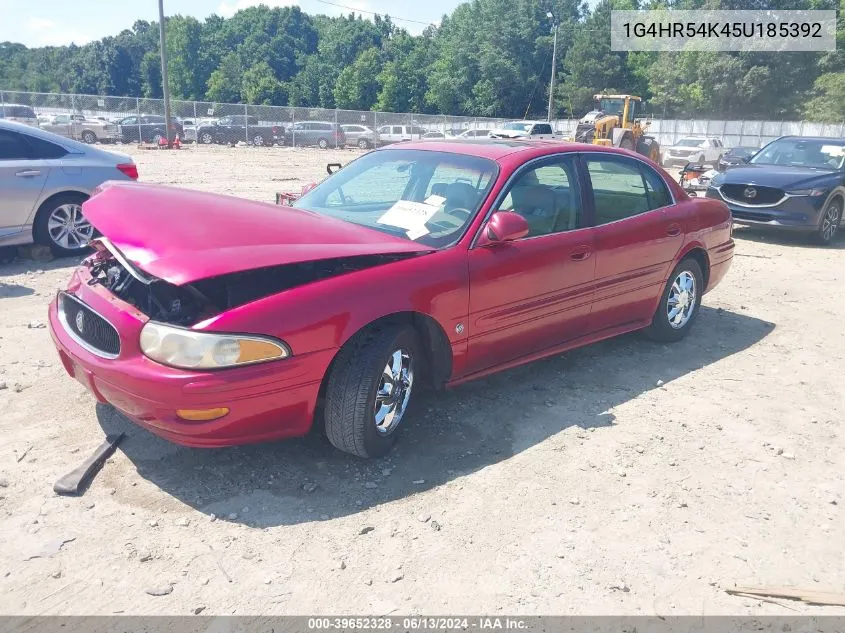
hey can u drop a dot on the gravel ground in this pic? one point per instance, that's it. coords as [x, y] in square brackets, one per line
[623, 478]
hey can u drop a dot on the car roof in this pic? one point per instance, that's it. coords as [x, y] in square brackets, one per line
[74, 147]
[835, 139]
[496, 149]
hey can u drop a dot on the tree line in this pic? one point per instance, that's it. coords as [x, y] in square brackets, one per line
[487, 58]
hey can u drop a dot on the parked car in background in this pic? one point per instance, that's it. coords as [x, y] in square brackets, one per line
[239, 128]
[433, 135]
[418, 264]
[18, 113]
[147, 128]
[76, 126]
[694, 149]
[794, 183]
[480, 133]
[524, 130]
[359, 135]
[322, 134]
[735, 156]
[397, 133]
[44, 179]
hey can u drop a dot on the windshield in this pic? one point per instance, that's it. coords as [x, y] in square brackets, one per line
[689, 142]
[522, 127]
[426, 197]
[800, 152]
[612, 106]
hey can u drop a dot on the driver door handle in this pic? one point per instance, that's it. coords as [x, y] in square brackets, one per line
[28, 173]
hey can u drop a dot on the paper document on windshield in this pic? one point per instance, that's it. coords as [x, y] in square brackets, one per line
[412, 216]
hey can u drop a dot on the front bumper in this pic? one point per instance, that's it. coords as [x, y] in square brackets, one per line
[795, 213]
[266, 402]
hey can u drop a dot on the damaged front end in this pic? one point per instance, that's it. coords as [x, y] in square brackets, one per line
[188, 304]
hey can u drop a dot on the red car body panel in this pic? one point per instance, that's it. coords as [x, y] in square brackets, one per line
[498, 306]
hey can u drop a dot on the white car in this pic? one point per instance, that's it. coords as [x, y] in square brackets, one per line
[524, 129]
[396, 133]
[694, 149]
[471, 134]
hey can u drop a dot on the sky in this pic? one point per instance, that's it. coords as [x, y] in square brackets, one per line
[57, 22]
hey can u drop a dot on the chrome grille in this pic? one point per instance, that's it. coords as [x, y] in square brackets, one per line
[87, 327]
[752, 194]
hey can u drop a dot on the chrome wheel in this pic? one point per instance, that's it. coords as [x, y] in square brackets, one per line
[68, 228]
[394, 391]
[830, 221]
[206, 139]
[89, 137]
[681, 301]
[258, 140]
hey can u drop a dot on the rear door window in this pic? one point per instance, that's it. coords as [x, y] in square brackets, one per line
[12, 146]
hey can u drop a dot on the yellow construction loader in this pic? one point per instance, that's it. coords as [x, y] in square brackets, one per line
[614, 122]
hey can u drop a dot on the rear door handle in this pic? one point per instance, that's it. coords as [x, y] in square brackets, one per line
[673, 230]
[26, 173]
[581, 254]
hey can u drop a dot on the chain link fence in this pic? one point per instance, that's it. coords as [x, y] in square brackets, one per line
[132, 120]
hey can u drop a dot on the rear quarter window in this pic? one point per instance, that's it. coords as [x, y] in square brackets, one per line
[43, 150]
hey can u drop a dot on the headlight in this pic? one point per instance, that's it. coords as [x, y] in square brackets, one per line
[187, 349]
[807, 192]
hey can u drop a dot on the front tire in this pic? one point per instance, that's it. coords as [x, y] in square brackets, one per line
[89, 137]
[323, 143]
[60, 225]
[829, 223]
[679, 303]
[206, 138]
[363, 143]
[369, 390]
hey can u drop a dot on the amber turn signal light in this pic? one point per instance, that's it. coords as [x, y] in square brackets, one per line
[202, 415]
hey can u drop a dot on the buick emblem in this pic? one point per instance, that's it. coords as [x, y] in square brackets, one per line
[750, 192]
[80, 322]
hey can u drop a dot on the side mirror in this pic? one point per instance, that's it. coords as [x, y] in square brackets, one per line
[503, 226]
[332, 167]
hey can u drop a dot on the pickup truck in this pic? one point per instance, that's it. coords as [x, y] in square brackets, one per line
[239, 127]
[79, 128]
[524, 129]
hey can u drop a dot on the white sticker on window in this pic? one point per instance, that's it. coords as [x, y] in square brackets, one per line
[417, 232]
[833, 150]
[408, 215]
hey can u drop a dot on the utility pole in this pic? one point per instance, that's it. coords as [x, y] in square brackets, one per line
[164, 84]
[554, 64]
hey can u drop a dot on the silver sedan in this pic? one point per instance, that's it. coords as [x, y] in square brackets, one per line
[44, 179]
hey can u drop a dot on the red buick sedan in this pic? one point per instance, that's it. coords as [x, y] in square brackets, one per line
[215, 321]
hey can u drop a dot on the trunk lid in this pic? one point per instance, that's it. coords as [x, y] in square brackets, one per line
[182, 236]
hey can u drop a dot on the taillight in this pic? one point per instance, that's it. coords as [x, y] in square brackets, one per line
[275, 130]
[129, 169]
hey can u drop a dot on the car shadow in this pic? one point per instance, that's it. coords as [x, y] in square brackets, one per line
[783, 238]
[18, 266]
[12, 291]
[449, 433]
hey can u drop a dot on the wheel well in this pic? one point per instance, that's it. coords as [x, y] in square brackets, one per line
[700, 256]
[433, 342]
[44, 206]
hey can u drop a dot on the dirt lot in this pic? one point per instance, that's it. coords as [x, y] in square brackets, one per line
[623, 478]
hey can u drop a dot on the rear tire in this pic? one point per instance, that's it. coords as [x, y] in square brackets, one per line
[89, 137]
[357, 413]
[363, 143]
[829, 223]
[323, 143]
[679, 304]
